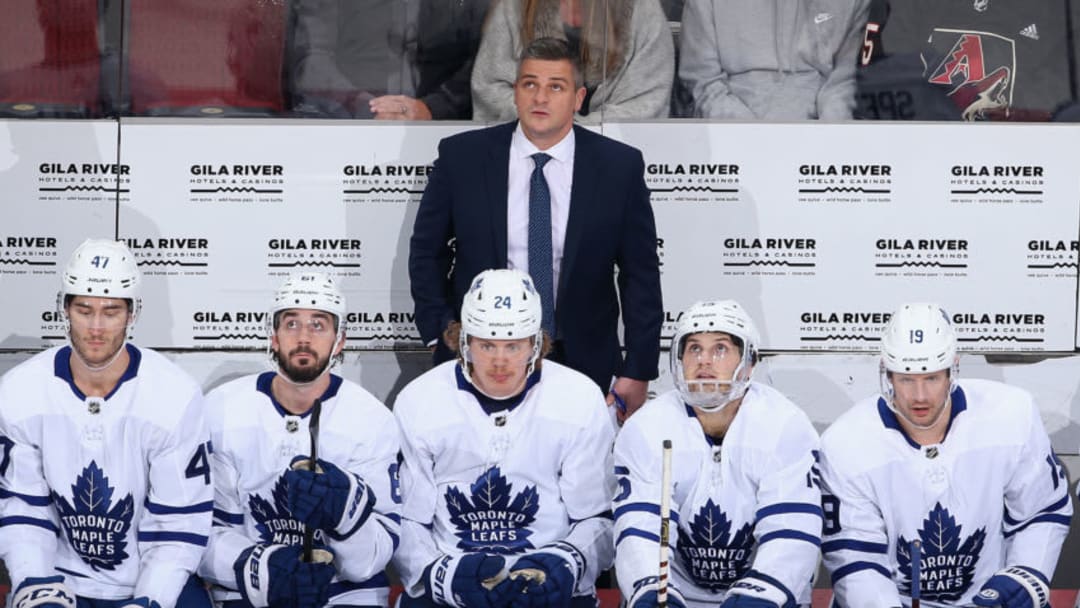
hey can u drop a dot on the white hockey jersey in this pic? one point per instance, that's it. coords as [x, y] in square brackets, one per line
[750, 503]
[511, 482]
[991, 495]
[124, 480]
[255, 439]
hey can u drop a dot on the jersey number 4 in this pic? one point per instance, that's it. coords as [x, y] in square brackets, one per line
[199, 465]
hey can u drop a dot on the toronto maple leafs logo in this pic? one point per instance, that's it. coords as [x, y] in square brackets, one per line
[713, 557]
[96, 528]
[275, 522]
[491, 521]
[948, 565]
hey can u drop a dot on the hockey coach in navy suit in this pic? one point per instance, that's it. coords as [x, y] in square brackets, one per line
[490, 192]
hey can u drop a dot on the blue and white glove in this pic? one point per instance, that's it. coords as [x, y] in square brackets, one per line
[43, 592]
[553, 588]
[758, 590]
[472, 580]
[648, 599]
[141, 602]
[332, 500]
[275, 576]
[1015, 587]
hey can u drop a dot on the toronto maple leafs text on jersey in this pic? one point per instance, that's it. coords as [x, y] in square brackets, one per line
[752, 503]
[990, 495]
[255, 439]
[124, 480]
[531, 478]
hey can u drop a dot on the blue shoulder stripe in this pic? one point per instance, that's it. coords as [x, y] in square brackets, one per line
[20, 520]
[790, 535]
[1010, 520]
[854, 567]
[1050, 518]
[236, 519]
[160, 509]
[379, 580]
[33, 501]
[179, 537]
[644, 507]
[782, 508]
[854, 545]
[627, 533]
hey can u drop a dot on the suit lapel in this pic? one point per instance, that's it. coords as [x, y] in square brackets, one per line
[497, 177]
[581, 196]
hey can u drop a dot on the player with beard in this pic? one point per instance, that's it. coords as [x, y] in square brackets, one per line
[744, 496]
[963, 466]
[266, 496]
[105, 492]
[507, 461]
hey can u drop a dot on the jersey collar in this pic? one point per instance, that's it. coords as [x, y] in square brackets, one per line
[62, 370]
[888, 417]
[495, 405]
[262, 384]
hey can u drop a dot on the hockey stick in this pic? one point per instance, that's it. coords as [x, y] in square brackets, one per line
[916, 572]
[313, 430]
[665, 524]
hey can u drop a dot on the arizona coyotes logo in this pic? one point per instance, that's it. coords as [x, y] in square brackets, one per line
[978, 68]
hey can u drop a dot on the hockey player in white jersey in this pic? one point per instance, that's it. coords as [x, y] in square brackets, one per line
[265, 496]
[105, 492]
[964, 467]
[745, 502]
[507, 460]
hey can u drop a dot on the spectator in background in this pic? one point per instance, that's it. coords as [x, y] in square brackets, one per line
[776, 60]
[978, 60]
[448, 36]
[625, 47]
[343, 54]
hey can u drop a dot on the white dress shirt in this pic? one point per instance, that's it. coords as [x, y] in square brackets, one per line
[559, 173]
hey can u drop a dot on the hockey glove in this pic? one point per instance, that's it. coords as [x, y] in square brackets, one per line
[552, 586]
[332, 500]
[476, 580]
[758, 590]
[275, 576]
[649, 600]
[43, 592]
[1015, 587]
[141, 602]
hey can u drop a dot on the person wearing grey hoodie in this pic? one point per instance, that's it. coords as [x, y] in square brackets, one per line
[626, 48]
[772, 59]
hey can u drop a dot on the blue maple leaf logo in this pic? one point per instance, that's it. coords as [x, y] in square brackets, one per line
[96, 529]
[490, 520]
[274, 522]
[947, 565]
[713, 557]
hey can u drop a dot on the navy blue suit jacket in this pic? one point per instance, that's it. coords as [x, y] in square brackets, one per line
[610, 226]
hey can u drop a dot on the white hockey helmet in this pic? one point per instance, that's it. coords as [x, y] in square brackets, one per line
[501, 304]
[309, 290]
[313, 291]
[919, 339]
[102, 268]
[721, 316]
